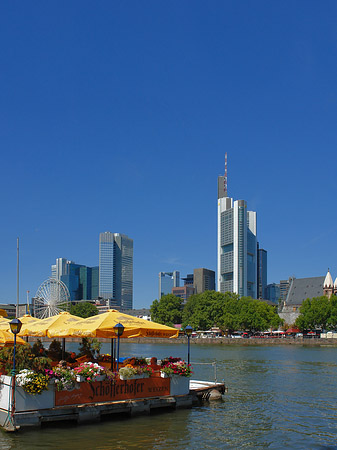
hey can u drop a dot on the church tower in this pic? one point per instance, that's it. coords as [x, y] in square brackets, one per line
[328, 286]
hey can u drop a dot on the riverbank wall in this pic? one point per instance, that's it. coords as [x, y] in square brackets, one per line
[311, 342]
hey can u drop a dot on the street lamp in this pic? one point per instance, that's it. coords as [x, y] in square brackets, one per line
[119, 329]
[188, 332]
[15, 325]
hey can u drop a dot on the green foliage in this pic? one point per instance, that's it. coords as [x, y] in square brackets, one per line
[38, 348]
[84, 310]
[24, 359]
[318, 313]
[229, 312]
[167, 311]
[55, 350]
[90, 347]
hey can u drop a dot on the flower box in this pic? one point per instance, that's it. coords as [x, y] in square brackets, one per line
[179, 385]
[100, 377]
[80, 379]
[134, 377]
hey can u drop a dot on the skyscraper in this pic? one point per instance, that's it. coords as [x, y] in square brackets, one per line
[237, 244]
[261, 273]
[106, 263]
[81, 281]
[203, 280]
[167, 281]
[123, 270]
[116, 268]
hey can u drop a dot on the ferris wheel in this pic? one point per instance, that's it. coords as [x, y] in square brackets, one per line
[51, 298]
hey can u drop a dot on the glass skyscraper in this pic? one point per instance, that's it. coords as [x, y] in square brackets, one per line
[237, 245]
[116, 268]
[167, 281]
[106, 261]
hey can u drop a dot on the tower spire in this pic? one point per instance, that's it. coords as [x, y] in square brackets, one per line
[225, 180]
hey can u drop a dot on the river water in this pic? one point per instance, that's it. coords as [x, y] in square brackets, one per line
[278, 397]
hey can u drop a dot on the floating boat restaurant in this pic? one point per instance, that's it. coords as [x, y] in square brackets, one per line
[82, 390]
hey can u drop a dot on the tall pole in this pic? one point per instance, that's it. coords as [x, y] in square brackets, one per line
[28, 312]
[117, 352]
[17, 277]
[112, 354]
[188, 349]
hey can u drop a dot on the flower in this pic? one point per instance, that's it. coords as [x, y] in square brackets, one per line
[90, 371]
[179, 367]
[32, 382]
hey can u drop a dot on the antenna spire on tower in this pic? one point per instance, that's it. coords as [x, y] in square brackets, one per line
[225, 180]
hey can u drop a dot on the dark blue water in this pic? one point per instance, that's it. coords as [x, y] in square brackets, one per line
[278, 397]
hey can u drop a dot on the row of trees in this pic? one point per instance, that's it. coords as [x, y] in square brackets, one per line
[226, 311]
[318, 313]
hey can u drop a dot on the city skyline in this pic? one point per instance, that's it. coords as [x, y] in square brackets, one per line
[119, 117]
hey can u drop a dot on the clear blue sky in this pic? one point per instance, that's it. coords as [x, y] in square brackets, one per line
[116, 116]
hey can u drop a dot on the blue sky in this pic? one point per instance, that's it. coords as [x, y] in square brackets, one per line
[116, 116]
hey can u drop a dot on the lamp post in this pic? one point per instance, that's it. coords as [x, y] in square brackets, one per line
[119, 329]
[188, 332]
[15, 326]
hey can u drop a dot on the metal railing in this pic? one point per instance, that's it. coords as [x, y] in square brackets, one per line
[208, 364]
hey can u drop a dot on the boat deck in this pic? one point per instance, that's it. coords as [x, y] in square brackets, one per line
[199, 391]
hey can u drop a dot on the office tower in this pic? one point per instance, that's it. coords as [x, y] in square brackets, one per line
[183, 292]
[106, 264]
[88, 283]
[81, 281]
[284, 288]
[273, 292]
[167, 281]
[237, 244]
[116, 268]
[261, 272]
[203, 280]
[123, 270]
[188, 280]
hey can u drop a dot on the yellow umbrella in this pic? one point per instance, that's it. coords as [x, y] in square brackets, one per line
[7, 339]
[102, 325]
[54, 326]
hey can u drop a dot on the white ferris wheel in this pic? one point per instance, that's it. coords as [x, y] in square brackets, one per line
[51, 298]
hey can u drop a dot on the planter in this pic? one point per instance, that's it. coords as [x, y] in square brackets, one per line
[80, 379]
[179, 385]
[100, 377]
[134, 377]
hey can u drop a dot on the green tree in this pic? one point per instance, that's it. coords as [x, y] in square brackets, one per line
[316, 313]
[167, 311]
[83, 309]
[229, 312]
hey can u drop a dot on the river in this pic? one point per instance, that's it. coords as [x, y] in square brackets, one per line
[278, 397]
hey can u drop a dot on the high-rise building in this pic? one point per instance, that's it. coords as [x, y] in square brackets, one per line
[188, 280]
[116, 268]
[81, 281]
[106, 264]
[183, 292]
[123, 270]
[261, 273]
[203, 280]
[273, 292]
[167, 281]
[237, 244]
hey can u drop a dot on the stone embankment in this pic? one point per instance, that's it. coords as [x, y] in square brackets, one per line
[312, 342]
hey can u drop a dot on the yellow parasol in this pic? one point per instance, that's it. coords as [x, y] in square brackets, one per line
[54, 326]
[27, 319]
[7, 338]
[102, 325]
